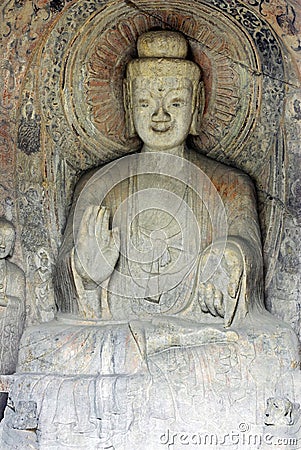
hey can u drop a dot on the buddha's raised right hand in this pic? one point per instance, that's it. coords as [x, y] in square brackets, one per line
[97, 247]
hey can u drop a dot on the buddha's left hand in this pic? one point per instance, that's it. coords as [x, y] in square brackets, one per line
[219, 295]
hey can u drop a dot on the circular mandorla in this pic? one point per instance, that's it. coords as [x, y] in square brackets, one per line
[141, 229]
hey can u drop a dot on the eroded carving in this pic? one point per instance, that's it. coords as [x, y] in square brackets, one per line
[281, 411]
[24, 416]
[29, 130]
[259, 150]
[12, 300]
[159, 279]
[163, 109]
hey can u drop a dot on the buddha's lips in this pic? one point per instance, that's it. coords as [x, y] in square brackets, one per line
[161, 127]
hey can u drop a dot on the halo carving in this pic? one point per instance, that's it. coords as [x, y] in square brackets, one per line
[95, 65]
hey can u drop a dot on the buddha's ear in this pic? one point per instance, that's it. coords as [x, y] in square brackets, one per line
[11, 251]
[128, 107]
[198, 110]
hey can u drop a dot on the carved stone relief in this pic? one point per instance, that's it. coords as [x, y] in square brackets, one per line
[130, 373]
[234, 123]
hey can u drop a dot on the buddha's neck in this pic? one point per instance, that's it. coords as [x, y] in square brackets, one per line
[178, 150]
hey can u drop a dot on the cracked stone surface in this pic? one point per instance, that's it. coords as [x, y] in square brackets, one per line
[158, 367]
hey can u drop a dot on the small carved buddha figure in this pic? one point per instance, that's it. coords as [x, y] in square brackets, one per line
[12, 300]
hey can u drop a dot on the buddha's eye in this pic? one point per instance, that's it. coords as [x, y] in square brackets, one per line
[143, 104]
[177, 103]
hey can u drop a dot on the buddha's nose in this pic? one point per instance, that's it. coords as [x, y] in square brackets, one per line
[160, 115]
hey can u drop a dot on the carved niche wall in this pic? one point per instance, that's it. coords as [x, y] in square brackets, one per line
[62, 114]
[69, 117]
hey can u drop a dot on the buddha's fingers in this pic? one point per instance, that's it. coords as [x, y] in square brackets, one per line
[115, 239]
[234, 281]
[86, 225]
[209, 298]
[230, 309]
[219, 303]
[100, 227]
[203, 306]
[105, 231]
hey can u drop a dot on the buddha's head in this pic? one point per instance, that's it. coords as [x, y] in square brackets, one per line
[7, 238]
[163, 91]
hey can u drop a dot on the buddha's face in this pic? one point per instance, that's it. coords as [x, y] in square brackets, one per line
[162, 111]
[7, 239]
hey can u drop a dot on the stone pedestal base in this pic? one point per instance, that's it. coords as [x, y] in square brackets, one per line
[164, 384]
[52, 412]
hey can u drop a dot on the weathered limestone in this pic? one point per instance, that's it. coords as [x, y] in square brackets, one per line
[12, 300]
[12, 304]
[159, 283]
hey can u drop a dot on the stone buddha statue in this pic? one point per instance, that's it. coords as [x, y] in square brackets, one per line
[175, 235]
[214, 215]
[12, 299]
[12, 304]
[160, 273]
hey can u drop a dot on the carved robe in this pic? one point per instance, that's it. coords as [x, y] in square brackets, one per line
[238, 197]
[12, 317]
[158, 357]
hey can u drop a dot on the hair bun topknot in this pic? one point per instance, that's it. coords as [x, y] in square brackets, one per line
[162, 44]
